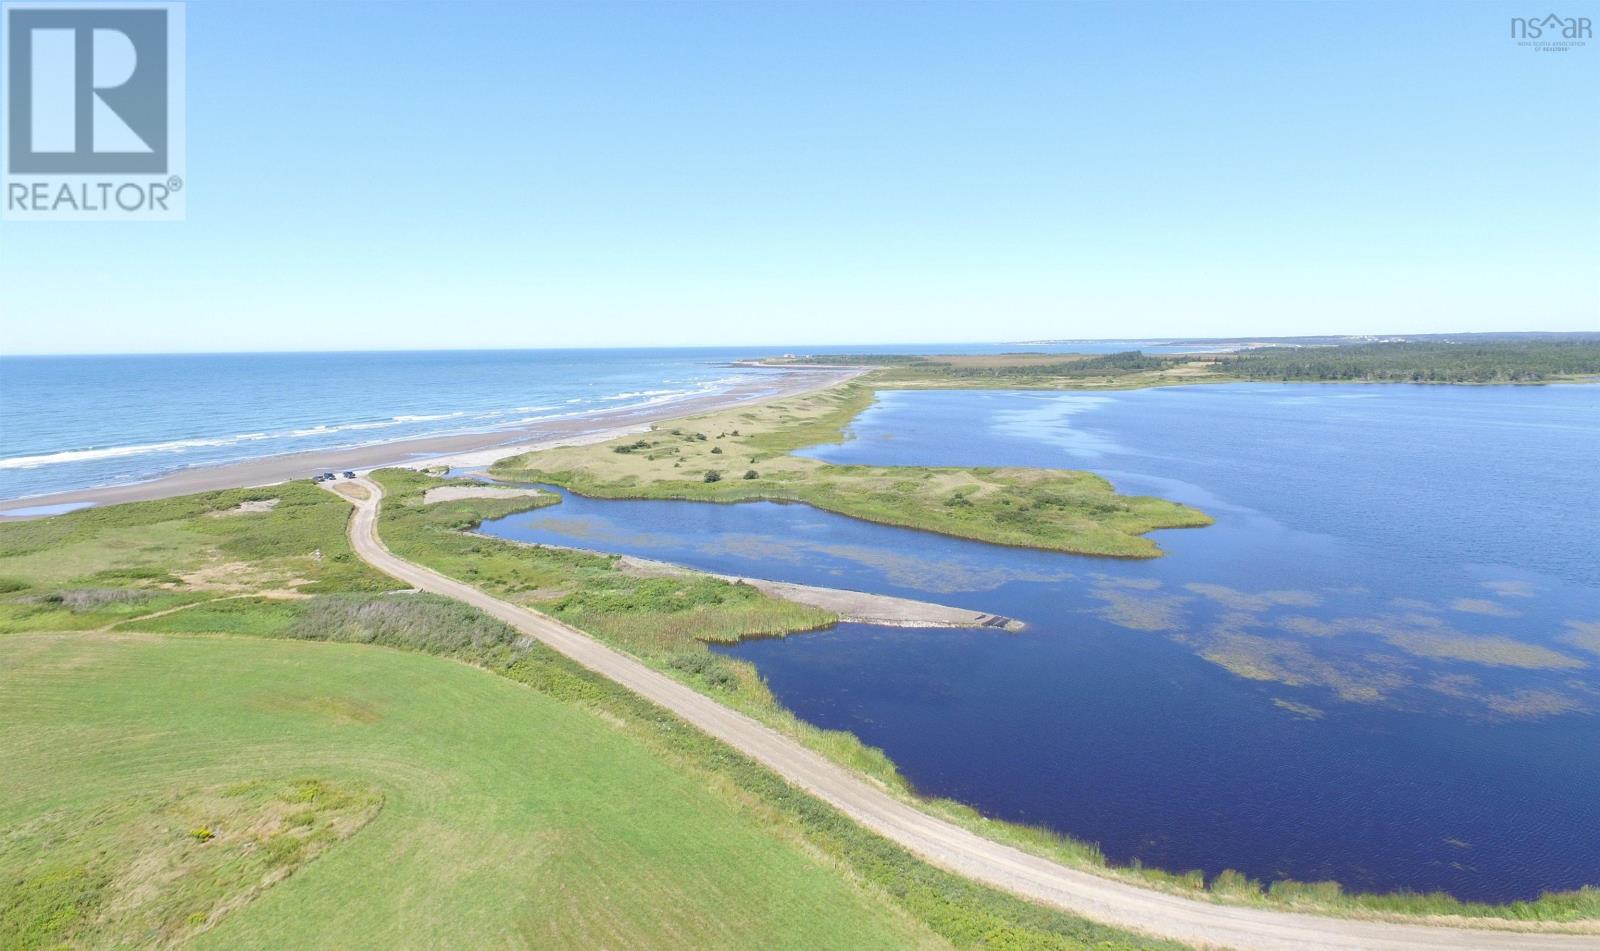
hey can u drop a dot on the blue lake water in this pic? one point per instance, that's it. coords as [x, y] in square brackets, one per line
[1379, 666]
[82, 421]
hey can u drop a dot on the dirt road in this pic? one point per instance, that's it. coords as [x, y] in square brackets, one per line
[950, 846]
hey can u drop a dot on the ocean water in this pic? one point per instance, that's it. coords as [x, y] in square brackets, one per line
[76, 422]
[1379, 666]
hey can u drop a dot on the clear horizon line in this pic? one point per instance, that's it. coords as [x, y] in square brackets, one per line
[887, 345]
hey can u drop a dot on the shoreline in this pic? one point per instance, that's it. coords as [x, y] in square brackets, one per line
[851, 605]
[452, 449]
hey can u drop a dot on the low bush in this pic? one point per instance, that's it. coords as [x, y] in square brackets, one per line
[422, 622]
[79, 600]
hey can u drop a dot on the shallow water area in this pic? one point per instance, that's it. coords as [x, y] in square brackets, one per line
[1379, 666]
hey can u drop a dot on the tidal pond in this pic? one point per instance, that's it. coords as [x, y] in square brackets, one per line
[1378, 667]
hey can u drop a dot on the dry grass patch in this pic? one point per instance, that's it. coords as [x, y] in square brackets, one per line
[165, 867]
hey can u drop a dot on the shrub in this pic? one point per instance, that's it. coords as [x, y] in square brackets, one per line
[90, 599]
[423, 622]
[716, 450]
[706, 667]
[1235, 884]
[713, 475]
[751, 474]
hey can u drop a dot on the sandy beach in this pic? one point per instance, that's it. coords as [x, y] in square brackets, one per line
[455, 449]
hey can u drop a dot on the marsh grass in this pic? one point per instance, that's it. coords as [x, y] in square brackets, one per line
[1034, 508]
[674, 613]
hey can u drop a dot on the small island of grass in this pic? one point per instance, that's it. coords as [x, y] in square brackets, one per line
[746, 454]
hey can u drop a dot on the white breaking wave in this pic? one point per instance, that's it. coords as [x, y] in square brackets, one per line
[178, 446]
[113, 452]
[638, 393]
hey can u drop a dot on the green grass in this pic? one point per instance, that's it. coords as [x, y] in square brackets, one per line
[166, 865]
[681, 612]
[568, 814]
[1037, 508]
[95, 567]
[509, 817]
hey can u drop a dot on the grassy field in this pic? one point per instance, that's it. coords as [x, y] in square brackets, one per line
[96, 567]
[507, 817]
[277, 761]
[746, 453]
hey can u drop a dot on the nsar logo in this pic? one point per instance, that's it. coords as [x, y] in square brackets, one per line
[1553, 34]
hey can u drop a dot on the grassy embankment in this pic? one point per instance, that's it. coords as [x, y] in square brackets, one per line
[746, 453]
[167, 788]
[558, 580]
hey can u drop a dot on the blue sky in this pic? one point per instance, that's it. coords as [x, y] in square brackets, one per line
[479, 175]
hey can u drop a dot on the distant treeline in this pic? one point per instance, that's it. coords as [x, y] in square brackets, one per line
[1419, 362]
[998, 366]
[1479, 359]
[1110, 364]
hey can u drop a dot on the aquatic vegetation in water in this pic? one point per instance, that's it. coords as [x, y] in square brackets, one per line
[1532, 703]
[1252, 638]
[1489, 651]
[1481, 606]
[1304, 711]
[925, 574]
[1511, 589]
[1243, 601]
[598, 531]
[1141, 584]
[1292, 664]
[1139, 611]
[1584, 635]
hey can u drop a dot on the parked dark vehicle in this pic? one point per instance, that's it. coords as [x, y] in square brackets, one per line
[348, 474]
